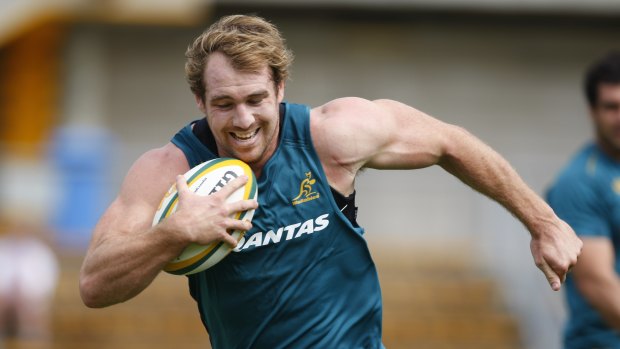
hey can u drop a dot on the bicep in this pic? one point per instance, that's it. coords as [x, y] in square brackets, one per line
[596, 264]
[381, 134]
[125, 214]
[409, 138]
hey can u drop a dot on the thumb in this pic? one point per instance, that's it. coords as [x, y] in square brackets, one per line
[552, 277]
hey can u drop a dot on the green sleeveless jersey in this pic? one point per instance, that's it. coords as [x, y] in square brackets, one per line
[303, 276]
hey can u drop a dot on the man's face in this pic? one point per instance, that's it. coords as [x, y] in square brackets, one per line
[242, 110]
[606, 116]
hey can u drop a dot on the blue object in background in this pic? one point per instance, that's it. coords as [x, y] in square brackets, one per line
[82, 156]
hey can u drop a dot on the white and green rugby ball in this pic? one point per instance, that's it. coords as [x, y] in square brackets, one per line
[205, 179]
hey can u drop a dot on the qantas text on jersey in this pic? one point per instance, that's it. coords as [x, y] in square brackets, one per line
[286, 233]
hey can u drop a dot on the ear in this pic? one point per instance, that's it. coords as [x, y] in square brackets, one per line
[201, 104]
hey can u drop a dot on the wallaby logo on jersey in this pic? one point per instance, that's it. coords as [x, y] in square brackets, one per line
[306, 193]
[616, 186]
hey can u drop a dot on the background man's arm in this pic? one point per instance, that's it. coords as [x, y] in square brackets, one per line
[596, 278]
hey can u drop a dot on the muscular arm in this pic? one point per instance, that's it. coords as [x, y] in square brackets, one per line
[597, 279]
[385, 134]
[126, 253]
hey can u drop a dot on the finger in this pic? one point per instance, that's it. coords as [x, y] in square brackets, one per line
[562, 269]
[237, 224]
[181, 184]
[242, 205]
[233, 185]
[229, 239]
[552, 277]
[562, 272]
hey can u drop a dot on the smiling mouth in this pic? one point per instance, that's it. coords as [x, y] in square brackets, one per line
[244, 136]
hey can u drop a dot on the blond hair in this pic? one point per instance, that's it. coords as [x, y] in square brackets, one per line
[249, 41]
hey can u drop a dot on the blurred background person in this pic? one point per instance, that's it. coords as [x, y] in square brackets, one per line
[28, 278]
[586, 194]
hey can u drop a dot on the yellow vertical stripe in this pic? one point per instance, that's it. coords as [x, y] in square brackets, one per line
[29, 88]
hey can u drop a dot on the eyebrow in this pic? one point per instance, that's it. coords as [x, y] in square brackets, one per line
[262, 93]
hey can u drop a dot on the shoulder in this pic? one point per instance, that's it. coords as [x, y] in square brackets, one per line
[586, 166]
[167, 158]
[376, 117]
[584, 193]
[341, 138]
[153, 173]
[344, 118]
[581, 180]
[349, 118]
[346, 108]
[334, 115]
[343, 104]
[145, 184]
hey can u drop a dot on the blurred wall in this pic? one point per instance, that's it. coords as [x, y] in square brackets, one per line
[515, 81]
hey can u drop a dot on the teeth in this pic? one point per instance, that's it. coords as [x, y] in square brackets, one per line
[244, 136]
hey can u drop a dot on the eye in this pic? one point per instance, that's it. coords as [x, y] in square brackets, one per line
[223, 106]
[255, 101]
[611, 106]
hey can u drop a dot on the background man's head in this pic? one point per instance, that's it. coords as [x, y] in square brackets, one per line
[602, 88]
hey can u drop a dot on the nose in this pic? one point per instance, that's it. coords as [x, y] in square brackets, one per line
[243, 117]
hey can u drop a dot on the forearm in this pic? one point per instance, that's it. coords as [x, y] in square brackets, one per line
[117, 269]
[483, 169]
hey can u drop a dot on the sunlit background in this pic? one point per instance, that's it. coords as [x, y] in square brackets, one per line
[86, 86]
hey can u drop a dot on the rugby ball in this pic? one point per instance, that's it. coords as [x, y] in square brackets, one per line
[205, 179]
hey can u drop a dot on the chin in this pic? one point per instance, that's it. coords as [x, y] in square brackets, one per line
[248, 158]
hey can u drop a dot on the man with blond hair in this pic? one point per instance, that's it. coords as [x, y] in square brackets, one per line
[316, 286]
